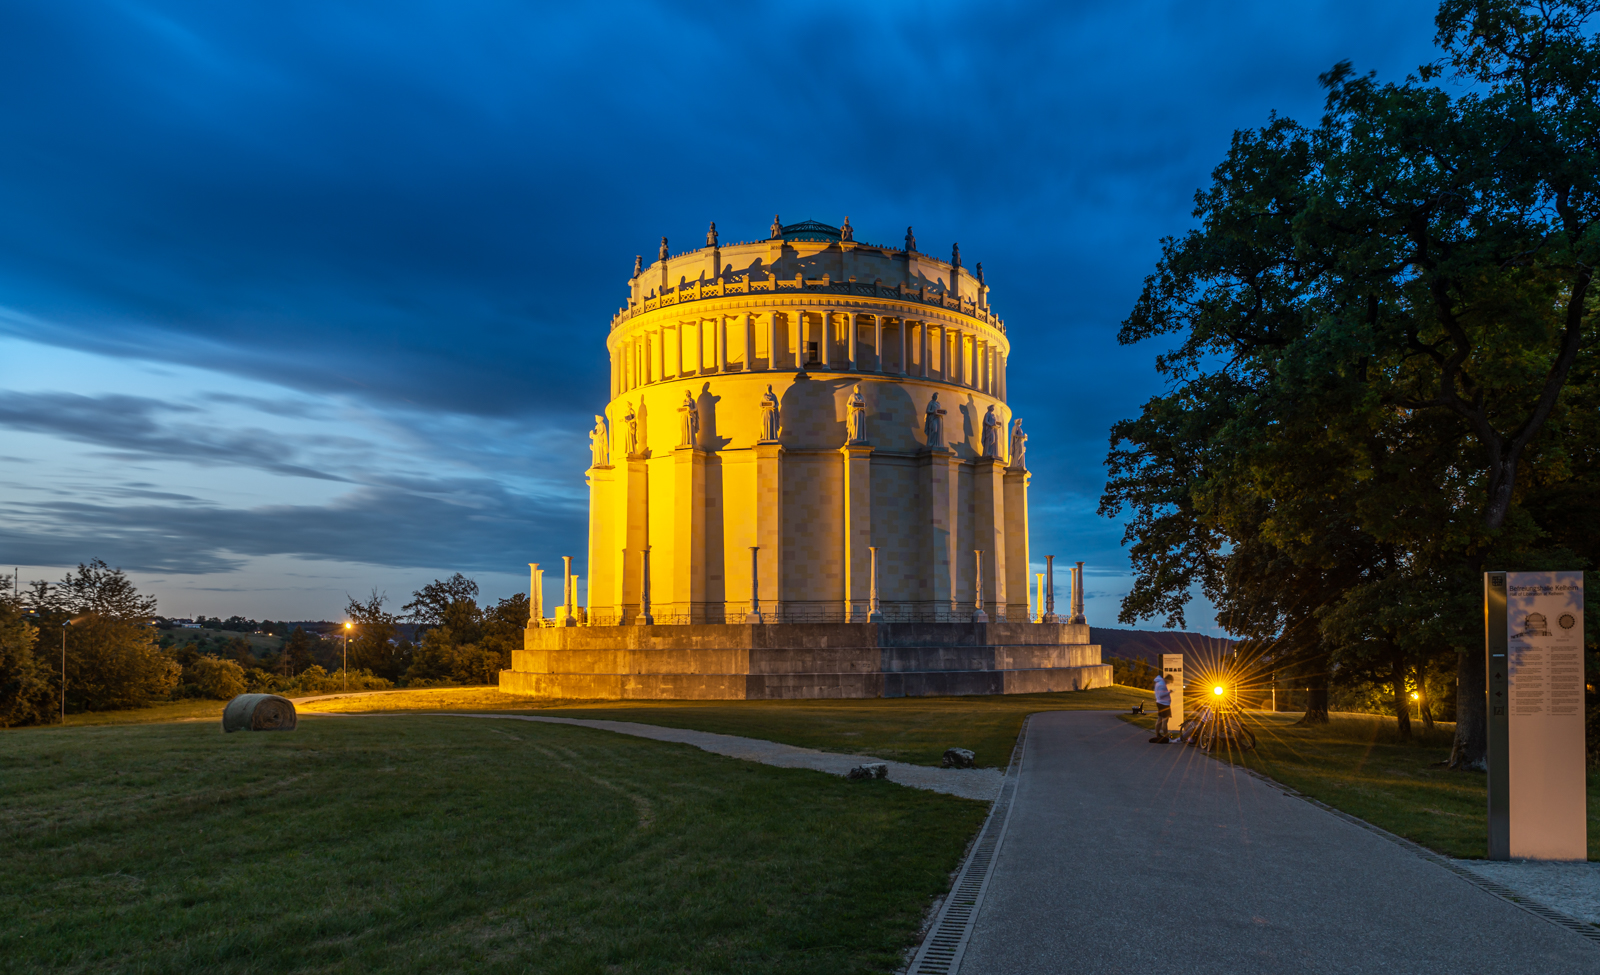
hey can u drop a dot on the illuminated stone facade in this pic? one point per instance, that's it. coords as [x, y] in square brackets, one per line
[814, 316]
[787, 416]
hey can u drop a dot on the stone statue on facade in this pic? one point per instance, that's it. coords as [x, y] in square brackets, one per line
[845, 232]
[600, 443]
[777, 227]
[933, 424]
[663, 248]
[638, 264]
[911, 241]
[955, 255]
[856, 425]
[630, 432]
[1019, 446]
[980, 274]
[991, 434]
[690, 425]
[769, 417]
[711, 235]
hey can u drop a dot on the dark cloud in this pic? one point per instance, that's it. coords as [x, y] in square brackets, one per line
[471, 526]
[137, 426]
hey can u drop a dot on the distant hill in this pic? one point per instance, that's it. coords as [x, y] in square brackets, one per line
[1148, 645]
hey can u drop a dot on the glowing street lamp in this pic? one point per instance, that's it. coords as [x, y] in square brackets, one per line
[1217, 690]
[347, 655]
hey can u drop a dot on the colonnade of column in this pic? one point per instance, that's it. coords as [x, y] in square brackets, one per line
[928, 349]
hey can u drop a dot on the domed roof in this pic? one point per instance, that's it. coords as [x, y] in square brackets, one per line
[811, 230]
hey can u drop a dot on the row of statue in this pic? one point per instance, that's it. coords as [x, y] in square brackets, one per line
[771, 426]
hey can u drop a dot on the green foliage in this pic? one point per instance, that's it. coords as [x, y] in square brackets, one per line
[27, 692]
[218, 679]
[1385, 377]
[373, 645]
[464, 644]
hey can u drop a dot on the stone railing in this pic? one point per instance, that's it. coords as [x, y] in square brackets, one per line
[705, 290]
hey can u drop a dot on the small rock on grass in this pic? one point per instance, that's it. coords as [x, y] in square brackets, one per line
[957, 758]
[873, 770]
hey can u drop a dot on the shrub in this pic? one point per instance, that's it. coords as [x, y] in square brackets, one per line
[218, 679]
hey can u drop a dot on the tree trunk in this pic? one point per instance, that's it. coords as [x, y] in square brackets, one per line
[1402, 707]
[1423, 705]
[1471, 745]
[1316, 693]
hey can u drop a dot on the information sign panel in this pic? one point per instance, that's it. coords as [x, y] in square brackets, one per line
[1534, 647]
[1172, 670]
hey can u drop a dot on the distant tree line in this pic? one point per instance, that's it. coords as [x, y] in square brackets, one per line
[1385, 370]
[117, 657]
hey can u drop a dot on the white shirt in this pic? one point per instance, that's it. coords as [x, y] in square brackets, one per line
[1163, 696]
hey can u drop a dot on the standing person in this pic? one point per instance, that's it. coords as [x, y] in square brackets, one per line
[1163, 711]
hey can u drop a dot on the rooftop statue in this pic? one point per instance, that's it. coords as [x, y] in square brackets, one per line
[857, 423]
[933, 425]
[777, 227]
[1019, 446]
[911, 242]
[769, 417]
[980, 274]
[690, 426]
[630, 431]
[846, 232]
[711, 235]
[600, 443]
[663, 248]
[955, 255]
[638, 264]
[991, 433]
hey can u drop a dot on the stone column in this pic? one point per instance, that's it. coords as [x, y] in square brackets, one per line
[689, 534]
[1038, 598]
[754, 616]
[769, 526]
[1002, 393]
[922, 338]
[857, 521]
[535, 608]
[749, 342]
[905, 347]
[1050, 591]
[825, 338]
[1077, 596]
[604, 485]
[630, 513]
[568, 594]
[877, 339]
[720, 324]
[944, 526]
[1017, 542]
[697, 360]
[772, 340]
[799, 329]
[978, 615]
[660, 353]
[850, 344]
[989, 532]
[876, 614]
[645, 618]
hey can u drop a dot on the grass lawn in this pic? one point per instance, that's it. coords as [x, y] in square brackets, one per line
[1357, 763]
[437, 844]
[904, 729]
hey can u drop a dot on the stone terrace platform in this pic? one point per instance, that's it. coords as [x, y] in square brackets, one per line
[804, 660]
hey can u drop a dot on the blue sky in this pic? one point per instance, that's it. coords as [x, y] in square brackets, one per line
[305, 299]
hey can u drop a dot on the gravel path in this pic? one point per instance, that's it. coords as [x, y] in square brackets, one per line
[982, 783]
[1571, 888]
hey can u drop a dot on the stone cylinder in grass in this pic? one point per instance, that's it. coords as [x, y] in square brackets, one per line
[258, 712]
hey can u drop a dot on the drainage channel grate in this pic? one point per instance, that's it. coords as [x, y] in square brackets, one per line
[941, 952]
[1577, 927]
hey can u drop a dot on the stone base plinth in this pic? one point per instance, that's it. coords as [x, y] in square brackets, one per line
[804, 660]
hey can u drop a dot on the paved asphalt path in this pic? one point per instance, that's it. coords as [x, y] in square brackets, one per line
[1123, 856]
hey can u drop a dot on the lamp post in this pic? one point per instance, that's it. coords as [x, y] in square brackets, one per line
[347, 655]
